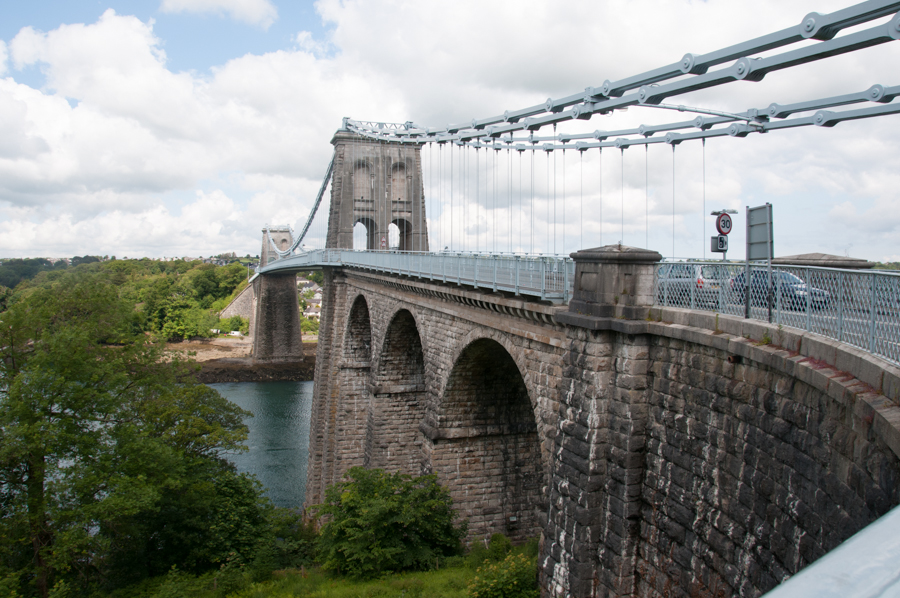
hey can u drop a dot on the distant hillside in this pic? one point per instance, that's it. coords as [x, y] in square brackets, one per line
[14, 271]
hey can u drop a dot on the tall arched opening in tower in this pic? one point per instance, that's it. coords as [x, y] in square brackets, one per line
[364, 234]
[402, 230]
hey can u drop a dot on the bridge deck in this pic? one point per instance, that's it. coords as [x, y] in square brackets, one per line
[548, 278]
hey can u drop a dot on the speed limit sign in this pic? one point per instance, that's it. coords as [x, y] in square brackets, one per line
[723, 224]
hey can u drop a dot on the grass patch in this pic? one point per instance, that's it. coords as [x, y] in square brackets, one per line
[492, 568]
[443, 583]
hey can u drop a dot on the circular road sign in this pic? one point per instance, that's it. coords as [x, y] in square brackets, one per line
[723, 224]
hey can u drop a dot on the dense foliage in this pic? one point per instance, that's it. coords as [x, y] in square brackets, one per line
[377, 522]
[14, 271]
[175, 299]
[513, 577]
[111, 466]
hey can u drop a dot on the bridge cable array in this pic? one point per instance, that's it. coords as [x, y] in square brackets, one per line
[645, 90]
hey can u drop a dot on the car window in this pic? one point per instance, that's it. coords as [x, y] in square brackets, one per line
[713, 272]
[675, 271]
[786, 278]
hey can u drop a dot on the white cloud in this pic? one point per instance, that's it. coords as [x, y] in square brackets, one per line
[107, 151]
[255, 12]
[306, 42]
[4, 54]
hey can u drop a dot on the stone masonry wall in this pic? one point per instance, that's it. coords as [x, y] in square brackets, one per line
[393, 439]
[697, 462]
[677, 455]
[276, 322]
[751, 475]
[399, 416]
[322, 459]
[242, 305]
[353, 376]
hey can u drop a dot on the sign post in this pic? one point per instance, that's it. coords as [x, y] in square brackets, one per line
[760, 246]
[724, 224]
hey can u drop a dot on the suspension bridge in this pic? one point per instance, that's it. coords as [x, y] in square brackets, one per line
[707, 438]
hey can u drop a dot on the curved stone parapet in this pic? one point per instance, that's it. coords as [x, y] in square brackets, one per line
[705, 455]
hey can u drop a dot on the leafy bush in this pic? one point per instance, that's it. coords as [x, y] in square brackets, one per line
[379, 522]
[513, 577]
[235, 323]
[492, 551]
[293, 542]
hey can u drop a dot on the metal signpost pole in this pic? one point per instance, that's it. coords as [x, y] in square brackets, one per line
[769, 256]
[747, 270]
[760, 241]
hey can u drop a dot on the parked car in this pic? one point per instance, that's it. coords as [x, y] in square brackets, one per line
[788, 290]
[682, 283]
[887, 293]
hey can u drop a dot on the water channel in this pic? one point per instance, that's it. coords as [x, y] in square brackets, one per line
[279, 435]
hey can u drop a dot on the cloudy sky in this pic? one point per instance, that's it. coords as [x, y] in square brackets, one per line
[180, 127]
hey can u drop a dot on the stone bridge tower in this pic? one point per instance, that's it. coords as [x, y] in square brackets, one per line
[275, 319]
[378, 184]
[282, 238]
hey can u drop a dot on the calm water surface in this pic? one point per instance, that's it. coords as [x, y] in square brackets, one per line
[279, 435]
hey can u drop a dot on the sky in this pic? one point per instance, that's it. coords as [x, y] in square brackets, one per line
[167, 128]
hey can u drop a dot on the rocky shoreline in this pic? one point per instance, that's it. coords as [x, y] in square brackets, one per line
[244, 370]
[229, 360]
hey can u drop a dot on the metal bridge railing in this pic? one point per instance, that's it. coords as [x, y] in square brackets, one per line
[860, 308]
[549, 278]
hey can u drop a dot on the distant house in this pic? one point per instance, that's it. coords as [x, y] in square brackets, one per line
[312, 312]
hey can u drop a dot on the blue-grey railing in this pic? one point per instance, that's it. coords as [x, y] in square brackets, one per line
[857, 307]
[549, 278]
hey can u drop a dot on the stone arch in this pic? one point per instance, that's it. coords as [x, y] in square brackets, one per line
[353, 385]
[483, 443]
[532, 383]
[393, 438]
[502, 339]
[358, 340]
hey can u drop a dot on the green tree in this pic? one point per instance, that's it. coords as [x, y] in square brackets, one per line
[378, 522]
[110, 456]
[5, 295]
[234, 323]
[229, 278]
[183, 319]
[308, 325]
